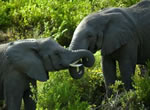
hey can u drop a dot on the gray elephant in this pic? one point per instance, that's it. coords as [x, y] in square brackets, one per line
[122, 34]
[25, 61]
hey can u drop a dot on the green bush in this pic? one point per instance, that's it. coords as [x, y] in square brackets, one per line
[61, 92]
[5, 14]
[142, 86]
[137, 99]
[21, 19]
[45, 18]
[55, 18]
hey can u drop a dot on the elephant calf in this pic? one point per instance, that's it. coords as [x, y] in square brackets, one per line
[122, 34]
[25, 61]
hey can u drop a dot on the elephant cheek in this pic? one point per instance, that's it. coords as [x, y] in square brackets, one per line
[47, 63]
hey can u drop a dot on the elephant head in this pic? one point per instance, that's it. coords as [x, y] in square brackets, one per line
[107, 30]
[37, 57]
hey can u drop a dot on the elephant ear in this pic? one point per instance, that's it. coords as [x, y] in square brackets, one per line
[116, 33]
[23, 57]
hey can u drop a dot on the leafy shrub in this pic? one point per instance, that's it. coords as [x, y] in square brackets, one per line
[56, 18]
[137, 99]
[122, 99]
[142, 86]
[5, 14]
[59, 93]
[63, 92]
[47, 18]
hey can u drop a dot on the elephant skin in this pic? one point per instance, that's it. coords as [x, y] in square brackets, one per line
[122, 34]
[25, 61]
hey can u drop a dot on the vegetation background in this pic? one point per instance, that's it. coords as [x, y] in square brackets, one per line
[20, 19]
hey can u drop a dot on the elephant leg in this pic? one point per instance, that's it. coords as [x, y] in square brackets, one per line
[14, 86]
[127, 68]
[127, 63]
[109, 70]
[29, 103]
[1, 95]
[13, 94]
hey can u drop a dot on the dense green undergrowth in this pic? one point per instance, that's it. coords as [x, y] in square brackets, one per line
[21, 19]
[61, 92]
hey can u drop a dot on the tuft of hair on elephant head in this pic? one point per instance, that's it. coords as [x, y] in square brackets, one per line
[25, 61]
[122, 34]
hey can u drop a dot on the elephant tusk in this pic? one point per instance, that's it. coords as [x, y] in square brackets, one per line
[74, 64]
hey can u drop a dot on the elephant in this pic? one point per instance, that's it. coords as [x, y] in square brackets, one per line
[122, 35]
[23, 62]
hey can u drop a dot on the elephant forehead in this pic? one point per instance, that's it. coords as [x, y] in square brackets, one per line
[48, 45]
[23, 41]
[49, 42]
[20, 45]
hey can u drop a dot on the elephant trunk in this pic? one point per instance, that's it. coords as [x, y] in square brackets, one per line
[77, 70]
[87, 57]
[74, 46]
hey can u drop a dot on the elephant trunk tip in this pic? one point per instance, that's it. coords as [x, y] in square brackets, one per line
[86, 59]
[76, 72]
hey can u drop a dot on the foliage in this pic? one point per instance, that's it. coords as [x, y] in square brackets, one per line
[142, 86]
[61, 92]
[137, 99]
[56, 18]
[5, 14]
[123, 101]
[43, 18]
[21, 19]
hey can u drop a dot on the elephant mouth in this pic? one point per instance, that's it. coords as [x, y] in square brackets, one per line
[93, 50]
